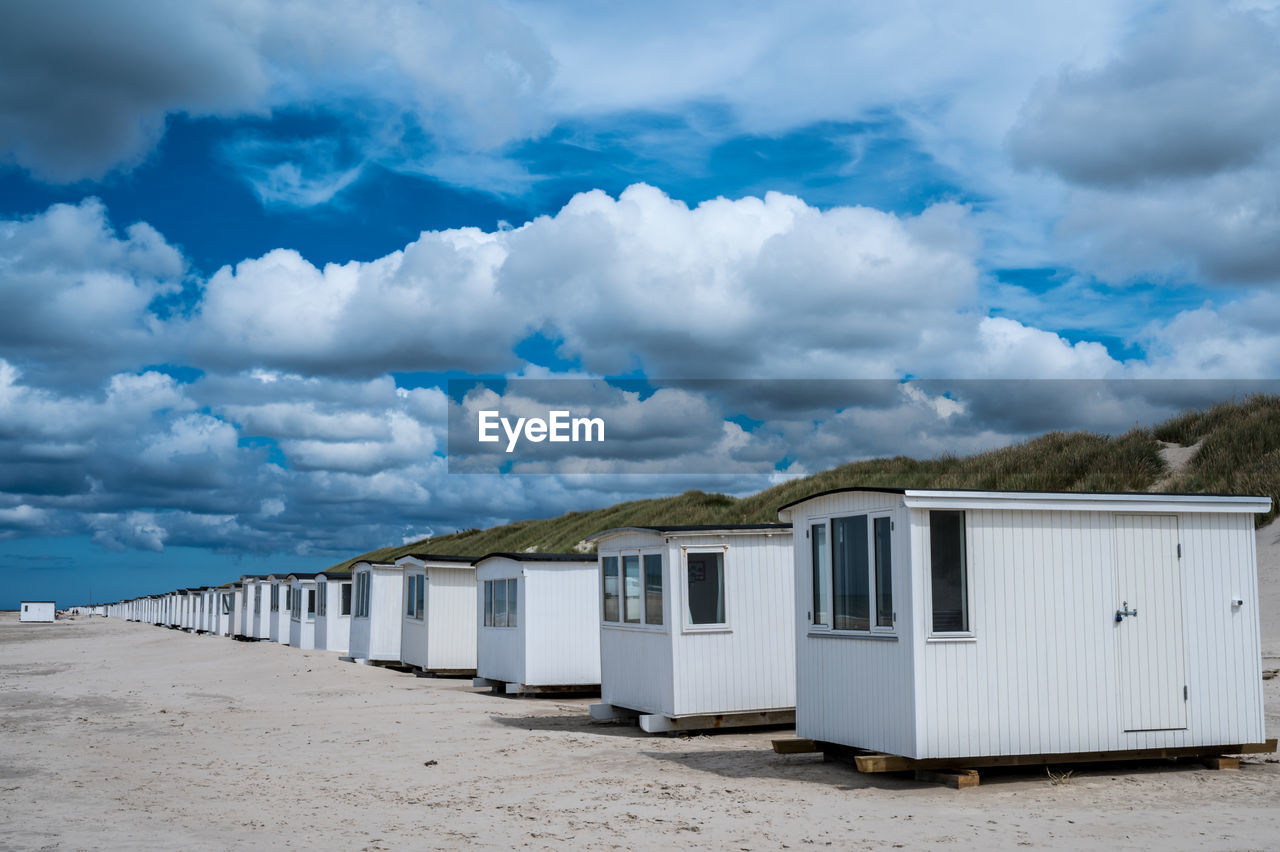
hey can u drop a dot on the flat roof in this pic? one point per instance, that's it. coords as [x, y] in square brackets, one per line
[539, 557]
[438, 557]
[694, 529]
[937, 497]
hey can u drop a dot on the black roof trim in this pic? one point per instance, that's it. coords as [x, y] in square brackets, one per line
[437, 557]
[887, 490]
[709, 527]
[539, 557]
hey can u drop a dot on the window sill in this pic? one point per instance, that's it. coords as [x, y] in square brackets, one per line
[710, 628]
[951, 639]
[849, 634]
[633, 628]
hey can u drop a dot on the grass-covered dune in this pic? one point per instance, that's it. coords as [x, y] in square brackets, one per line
[1237, 452]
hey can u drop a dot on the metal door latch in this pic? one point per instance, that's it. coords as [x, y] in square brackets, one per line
[1121, 613]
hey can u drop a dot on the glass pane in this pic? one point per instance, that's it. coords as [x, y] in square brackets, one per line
[609, 574]
[311, 603]
[821, 575]
[488, 603]
[408, 595]
[346, 599]
[884, 571]
[653, 588]
[499, 604]
[420, 608]
[850, 582]
[513, 597]
[706, 588]
[631, 589]
[948, 572]
[320, 590]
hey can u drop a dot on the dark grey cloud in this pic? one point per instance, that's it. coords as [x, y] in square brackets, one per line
[1194, 92]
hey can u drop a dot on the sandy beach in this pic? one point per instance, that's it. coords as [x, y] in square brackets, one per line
[123, 735]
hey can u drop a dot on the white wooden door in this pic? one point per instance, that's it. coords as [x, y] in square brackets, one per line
[1152, 664]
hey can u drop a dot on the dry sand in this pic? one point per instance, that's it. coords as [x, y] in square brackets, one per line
[120, 735]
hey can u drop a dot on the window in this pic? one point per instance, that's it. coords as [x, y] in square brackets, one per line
[362, 595]
[609, 574]
[295, 606]
[881, 528]
[653, 588]
[949, 582]
[288, 598]
[705, 580]
[346, 599]
[849, 578]
[852, 565]
[631, 589]
[322, 596]
[500, 603]
[311, 605]
[416, 595]
[226, 604]
[275, 597]
[257, 599]
[821, 568]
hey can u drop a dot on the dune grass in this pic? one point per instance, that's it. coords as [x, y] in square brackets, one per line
[1239, 454]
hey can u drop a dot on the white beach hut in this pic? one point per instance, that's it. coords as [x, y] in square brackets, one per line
[38, 611]
[224, 609]
[333, 611]
[1008, 627]
[438, 621]
[253, 623]
[539, 622]
[697, 626]
[302, 614]
[279, 590]
[378, 593]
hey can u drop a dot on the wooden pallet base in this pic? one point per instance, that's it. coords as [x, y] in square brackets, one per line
[869, 761]
[657, 724]
[501, 687]
[958, 779]
[421, 672]
[794, 745]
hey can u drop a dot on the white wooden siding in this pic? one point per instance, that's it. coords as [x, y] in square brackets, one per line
[500, 651]
[1042, 674]
[855, 690]
[676, 671]
[559, 619]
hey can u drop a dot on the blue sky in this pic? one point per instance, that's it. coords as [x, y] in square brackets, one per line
[243, 247]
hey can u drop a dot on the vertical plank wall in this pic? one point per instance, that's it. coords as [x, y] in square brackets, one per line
[751, 665]
[559, 619]
[500, 653]
[451, 616]
[636, 661]
[852, 689]
[1041, 674]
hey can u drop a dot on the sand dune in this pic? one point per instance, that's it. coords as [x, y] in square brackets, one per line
[120, 735]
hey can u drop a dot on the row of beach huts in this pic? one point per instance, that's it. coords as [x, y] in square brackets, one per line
[898, 627]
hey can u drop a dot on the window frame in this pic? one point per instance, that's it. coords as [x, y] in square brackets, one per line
[873, 629]
[687, 625]
[308, 608]
[932, 636]
[415, 596]
[295, 606]
[322, 589]
[346, 598]
[362, 581]
[640, 553]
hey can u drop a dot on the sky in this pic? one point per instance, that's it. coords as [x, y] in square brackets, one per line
[254, 256]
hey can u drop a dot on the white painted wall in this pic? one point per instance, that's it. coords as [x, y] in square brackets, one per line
[37, 611]
[681, 670]
[377, 636]
[556, 640]
[302, 630]
[1045, 670]
[333, 629]
[444, 638]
